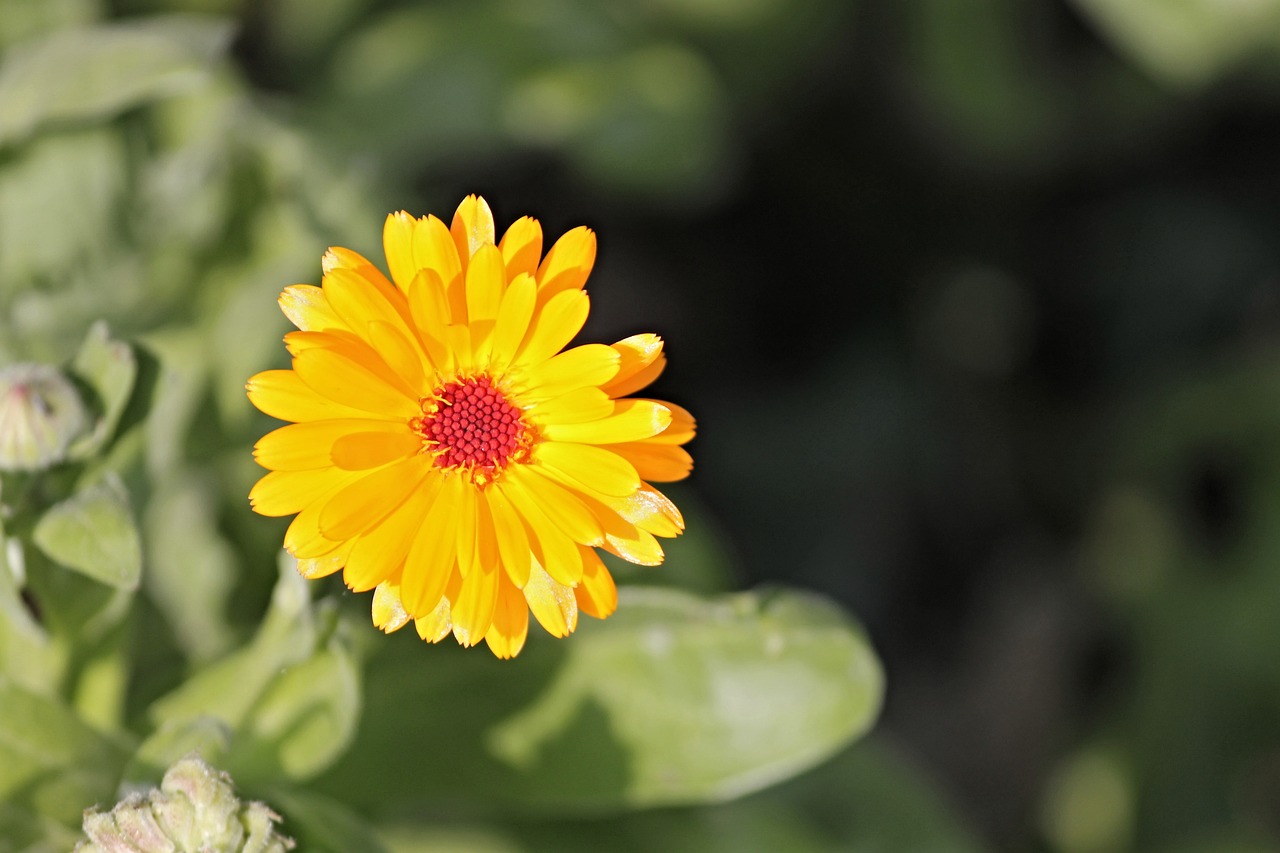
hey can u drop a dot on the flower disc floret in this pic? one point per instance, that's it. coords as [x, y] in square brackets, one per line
[470, 424]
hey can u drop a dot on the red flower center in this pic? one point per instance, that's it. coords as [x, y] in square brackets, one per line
[470, 424]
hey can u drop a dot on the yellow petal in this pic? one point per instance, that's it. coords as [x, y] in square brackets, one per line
[434, 249]
[337, 257]
[651, 510]
[429, 306]
[554, 326]
[568, 264]
[472, 227]
[658, 463]
[402, 356]
[473, 608]
[434, 553]
[594, 467]
[286, 492]
[682, 428]
[282, 394]
[549, 546]
[513, 318]
[359, 451]
[522, 247]
[297, 447]
[597, 595]
[321, 567]
[398, 244]
[642, 362]
[388, 613]
[303, 539]
[553, 604]
[581, 404]
[371, 498]
[359, 302]
[636, 546]
[566, 512]
[589, 364]
[631, 420]
[486, 281]
[513, 542]
[435, 626]
[354, 385]
[465, 529]
[510, 626]
[307, 308]
[377, 554]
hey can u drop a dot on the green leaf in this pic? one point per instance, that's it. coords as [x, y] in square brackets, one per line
[304, 720]
[321, 824]
[93, 533]
[27, 655]
[290, 698]
[1190, 42]
[25, 831]
[50, 760]
[95, 72]
[109, 368]
[674, 699]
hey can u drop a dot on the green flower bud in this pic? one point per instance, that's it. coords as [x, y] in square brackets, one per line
[40, 413]
[194, 810]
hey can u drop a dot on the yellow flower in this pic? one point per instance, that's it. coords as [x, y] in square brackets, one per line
[446, 453]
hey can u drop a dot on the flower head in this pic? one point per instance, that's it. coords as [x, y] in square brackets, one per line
[447, 451]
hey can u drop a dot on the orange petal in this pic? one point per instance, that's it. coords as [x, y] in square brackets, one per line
[398, 245]
[513, 542]
[568, 264]
[641, 362]
[659, 463]
[597, 595]
[433, 556]
[589, 364]
[594, 467]
[307, 308]
[510, 626]
[473, 608]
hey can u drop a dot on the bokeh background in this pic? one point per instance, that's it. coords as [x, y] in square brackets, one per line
[977, 301]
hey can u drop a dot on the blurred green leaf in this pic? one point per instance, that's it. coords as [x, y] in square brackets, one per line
[95, 72]
[27, 655]
[305, 719]
[93, 532]
[321, 824]
[191, 568]
[228, 688]
[674, 699]
[50, 760]
[207, 737]
[22, 831]
[1189, 42]
[109, 368]
[290, 698]
[59, 206]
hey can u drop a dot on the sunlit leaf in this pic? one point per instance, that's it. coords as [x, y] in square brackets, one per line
[674, 699]
[94, 533]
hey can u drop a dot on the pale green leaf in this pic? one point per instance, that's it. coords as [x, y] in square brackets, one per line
[93, 533]
[109, 367]
[50, 760]
[674, 699]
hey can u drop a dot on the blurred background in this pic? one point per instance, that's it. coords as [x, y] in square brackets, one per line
[977, 301]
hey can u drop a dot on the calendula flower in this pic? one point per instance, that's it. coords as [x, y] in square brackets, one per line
[447, 451]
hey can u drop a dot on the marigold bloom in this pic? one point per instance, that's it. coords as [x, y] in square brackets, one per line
[446, 453]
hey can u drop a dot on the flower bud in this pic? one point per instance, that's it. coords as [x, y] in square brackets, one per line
[40, 413]
[195, 809]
